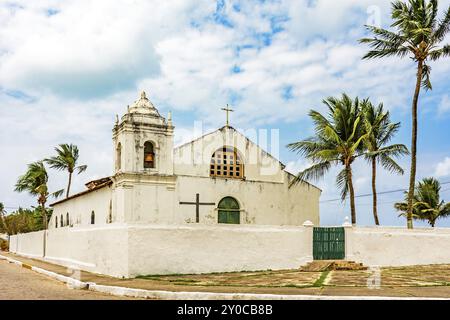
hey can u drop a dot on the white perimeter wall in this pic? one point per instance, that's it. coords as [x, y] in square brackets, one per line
[204, 249]
[30, 244]
[386, 246]
[128, 251]
[96, 250]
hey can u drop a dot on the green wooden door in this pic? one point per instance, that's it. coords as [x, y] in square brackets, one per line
[329, 243]
[229, 211]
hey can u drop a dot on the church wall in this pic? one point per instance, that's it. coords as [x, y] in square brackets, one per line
[261, 203]
[205, 249]
[393, 246]
[100, 250]
[130, 250]
[194, 158]
[31, 244]
[80, 209]
[148, 202]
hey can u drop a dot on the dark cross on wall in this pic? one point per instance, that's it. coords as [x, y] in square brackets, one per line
[197, 204]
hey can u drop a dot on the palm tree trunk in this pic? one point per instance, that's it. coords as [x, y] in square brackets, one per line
[68, 185]
[352, 193]
[412, 177]
[374, 191]
[44, 214]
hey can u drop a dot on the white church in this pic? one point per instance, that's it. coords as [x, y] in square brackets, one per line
[218, 203]
[219, 178]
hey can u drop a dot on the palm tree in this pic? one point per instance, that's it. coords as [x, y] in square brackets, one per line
[426, 203]
[380, 131]
[66, 160]
[3, 225]
[338, 141]
[34, 181]
[418, 34]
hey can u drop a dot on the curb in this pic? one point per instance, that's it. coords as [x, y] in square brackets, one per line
[72, 283]
[184, 295]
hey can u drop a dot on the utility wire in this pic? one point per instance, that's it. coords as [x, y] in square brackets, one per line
[378, 193]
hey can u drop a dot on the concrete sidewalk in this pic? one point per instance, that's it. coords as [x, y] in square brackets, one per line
[157, 289]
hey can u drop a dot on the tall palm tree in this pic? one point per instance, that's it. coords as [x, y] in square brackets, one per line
[66, 160]
[380, 131]
[427, 204]
[418, 34]
[338, 141]
[35, 181]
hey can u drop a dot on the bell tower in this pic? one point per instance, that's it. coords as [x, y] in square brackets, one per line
[143, 140]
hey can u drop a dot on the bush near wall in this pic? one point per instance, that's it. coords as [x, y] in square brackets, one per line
[4, 245]
[24, 221]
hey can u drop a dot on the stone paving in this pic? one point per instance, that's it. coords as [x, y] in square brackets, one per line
[287, 278]
[411, 281]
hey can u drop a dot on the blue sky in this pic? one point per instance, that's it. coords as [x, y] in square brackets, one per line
[67, 67]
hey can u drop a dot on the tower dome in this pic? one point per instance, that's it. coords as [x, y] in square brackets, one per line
[144, 106]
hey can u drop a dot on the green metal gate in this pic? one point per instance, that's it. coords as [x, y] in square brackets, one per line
[329, 243]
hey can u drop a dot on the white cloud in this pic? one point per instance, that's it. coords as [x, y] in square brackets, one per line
[443, 168]
[444, 105]
[85, 63]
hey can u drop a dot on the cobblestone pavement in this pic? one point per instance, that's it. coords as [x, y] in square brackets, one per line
[20, 283]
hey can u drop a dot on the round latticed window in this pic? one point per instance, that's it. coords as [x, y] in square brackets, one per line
[229, 211]
[226, 163]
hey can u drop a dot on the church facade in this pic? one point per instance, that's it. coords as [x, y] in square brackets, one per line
[221, 178]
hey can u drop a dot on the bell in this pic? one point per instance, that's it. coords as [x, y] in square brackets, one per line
[149, 157]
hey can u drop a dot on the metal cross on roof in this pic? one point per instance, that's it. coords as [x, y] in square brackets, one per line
[228, 110]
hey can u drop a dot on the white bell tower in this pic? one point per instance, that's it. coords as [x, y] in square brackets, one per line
[143, 140]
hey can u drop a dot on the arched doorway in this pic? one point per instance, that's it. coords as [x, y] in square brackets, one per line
[229, 211]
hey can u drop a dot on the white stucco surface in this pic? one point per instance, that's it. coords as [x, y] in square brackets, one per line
[128, 251]
[124, 250]
[200, 249]
[384, 246]
[31, 244]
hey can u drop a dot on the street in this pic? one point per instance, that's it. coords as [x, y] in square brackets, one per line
[20, 283]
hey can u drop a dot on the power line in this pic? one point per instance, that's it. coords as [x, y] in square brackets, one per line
[379, 193]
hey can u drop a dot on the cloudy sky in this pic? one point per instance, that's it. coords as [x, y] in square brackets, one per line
[67, 67]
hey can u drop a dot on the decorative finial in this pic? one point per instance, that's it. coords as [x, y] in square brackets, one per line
[117, 119]
[228, 110]
[143, 95]
[346, 223]
[128, 108]
[169, 116]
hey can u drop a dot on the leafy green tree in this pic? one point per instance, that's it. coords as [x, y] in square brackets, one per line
[3, 225]
[26, 220]
[380, 131]
[418, 34]
[338, 140]
[427, 205]
[66, 160]
[35, 181]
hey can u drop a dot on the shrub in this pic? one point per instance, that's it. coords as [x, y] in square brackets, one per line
[4, 245]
